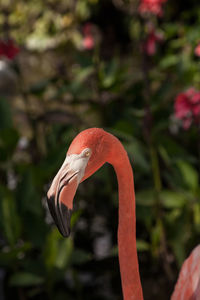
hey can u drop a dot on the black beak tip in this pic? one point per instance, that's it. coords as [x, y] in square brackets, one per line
[64, 234]
[61, 215]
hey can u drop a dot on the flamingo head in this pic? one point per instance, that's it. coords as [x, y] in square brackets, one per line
[86, 154]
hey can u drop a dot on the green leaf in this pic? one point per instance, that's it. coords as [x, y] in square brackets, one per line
[5, 114]
[171, 199]
[79, 256]
[50, 250]
[27, 196]
[114, 251]
[136, 152]
[10, 255]
[142, 245]
[80, 77]
[146, 198]
[156, 235]
[64, 252]
[108, 73]
[58, 251]
[10, 220]
[84, 74]
[8, 142]
[25, 279]
[169, 61]
[196, 213]
[189, 174]
[75, 217]
[179, 250]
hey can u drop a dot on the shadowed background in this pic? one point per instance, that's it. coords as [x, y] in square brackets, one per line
[68, 65]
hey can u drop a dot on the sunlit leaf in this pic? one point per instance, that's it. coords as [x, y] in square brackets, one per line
[58, 251]
[64, 253]
[50, 250]
[190, 175]
[171, 199]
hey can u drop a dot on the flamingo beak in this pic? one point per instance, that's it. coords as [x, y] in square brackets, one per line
[61, 216]
[60, 204]
[62, 191]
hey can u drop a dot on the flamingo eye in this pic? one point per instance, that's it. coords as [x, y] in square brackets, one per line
[87, 153]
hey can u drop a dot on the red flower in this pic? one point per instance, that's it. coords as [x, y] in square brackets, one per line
[88, 38]
[8, 49]
[187, 107]
[151, 6]
[197, 50]
[149, 46]
[87, 29]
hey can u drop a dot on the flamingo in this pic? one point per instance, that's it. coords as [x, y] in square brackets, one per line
[87, 153]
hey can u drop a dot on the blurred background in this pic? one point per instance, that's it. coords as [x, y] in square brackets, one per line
[131, 67]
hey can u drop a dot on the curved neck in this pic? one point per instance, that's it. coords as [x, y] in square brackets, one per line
[128, 260]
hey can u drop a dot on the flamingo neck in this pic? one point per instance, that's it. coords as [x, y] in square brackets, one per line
[128, 260]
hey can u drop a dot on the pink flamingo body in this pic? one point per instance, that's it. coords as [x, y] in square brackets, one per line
[87, 153]
[188, 284]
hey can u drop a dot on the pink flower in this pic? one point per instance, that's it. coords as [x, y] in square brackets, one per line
[196, 104]
[8, 49]
[88, 38]
[153, 38]
[151, 6]
[88, 42]
[197, 50]
[187, 107]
